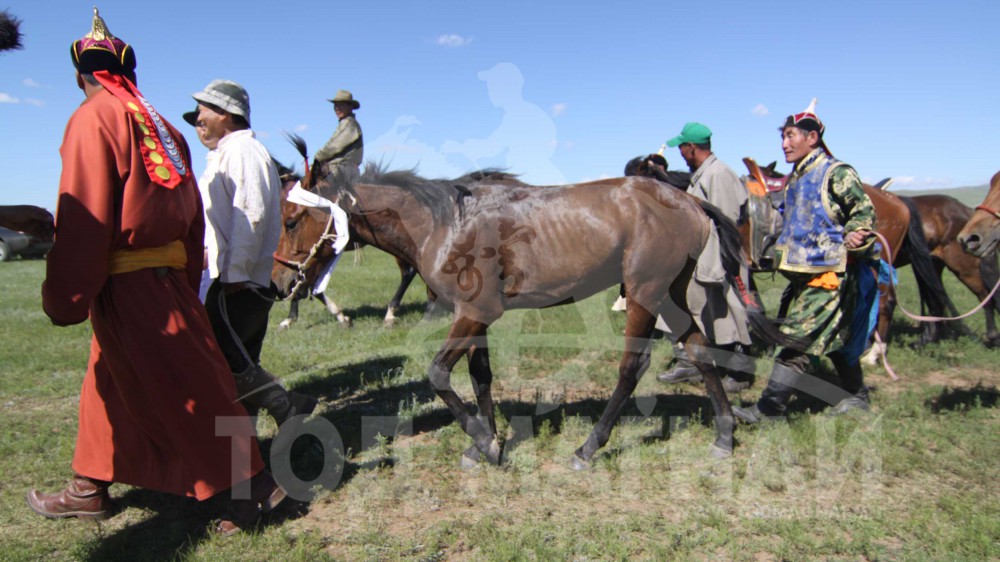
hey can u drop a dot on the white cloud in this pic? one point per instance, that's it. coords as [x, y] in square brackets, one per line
[760, 110]
[453, 40]
[914, 183]
[558, 109]
[34, 102]
[6, 98]
[301, 128]
[31, 83]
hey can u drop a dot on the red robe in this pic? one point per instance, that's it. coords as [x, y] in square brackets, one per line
[156, 380]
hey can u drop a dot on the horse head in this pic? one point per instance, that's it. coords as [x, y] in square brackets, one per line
[981, 235]
[655, 166]
[298, 260]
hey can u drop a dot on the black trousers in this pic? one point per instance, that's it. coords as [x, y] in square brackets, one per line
[239, 321]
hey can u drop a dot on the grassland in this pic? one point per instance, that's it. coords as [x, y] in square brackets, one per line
[914, 480]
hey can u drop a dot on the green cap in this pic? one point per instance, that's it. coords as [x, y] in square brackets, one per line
[695, 133]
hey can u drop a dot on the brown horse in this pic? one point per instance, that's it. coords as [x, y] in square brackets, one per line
[942, 218]
[495, 245]
[302, 254]
[981, 234]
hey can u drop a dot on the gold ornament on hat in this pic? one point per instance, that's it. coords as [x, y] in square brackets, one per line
[99, 30]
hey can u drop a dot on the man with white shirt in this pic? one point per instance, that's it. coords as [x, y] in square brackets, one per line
[241, 191]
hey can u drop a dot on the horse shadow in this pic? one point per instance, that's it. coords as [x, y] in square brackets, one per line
[367, 310]
[963, 399]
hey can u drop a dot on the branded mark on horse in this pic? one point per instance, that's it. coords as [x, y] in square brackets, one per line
[495, 245]
[981, 235]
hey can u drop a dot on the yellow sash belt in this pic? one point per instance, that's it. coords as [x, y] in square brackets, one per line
[172, 255]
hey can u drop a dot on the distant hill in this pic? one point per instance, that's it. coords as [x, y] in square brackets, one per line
[971, 196]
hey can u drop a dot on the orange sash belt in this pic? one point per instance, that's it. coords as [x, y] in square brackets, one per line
[172, 255]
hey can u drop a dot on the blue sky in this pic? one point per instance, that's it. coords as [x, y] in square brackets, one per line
[906, 89]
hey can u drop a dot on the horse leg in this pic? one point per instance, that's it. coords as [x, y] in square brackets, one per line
[407, 272]
[482, 385]
[635, 361]
[886, 306]
[293, 314]
[698, 345]
[344, 319]
[463, 336]
[432, 307]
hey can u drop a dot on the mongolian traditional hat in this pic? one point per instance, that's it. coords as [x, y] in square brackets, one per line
[100, 50]
[346, 97]
[808, 121]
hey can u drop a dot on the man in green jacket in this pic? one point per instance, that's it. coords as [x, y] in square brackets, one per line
[337, 164]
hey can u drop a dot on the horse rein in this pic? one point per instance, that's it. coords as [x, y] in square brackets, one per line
[300, 267]
[920, 317]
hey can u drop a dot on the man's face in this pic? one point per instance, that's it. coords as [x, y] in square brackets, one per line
[797, 143]
[342, 109]
[211, 125]
[687, 153]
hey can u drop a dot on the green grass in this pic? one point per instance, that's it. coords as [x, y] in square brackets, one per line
[915, 480]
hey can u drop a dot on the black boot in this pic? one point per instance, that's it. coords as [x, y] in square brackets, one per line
[681, 369]
[852, 380]
[775, 397]
[261, 389]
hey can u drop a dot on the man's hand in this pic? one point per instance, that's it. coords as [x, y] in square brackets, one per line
[856, 239]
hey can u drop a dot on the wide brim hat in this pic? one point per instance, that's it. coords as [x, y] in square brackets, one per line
[225, 95]
[808, 121]
[100, 50]
[345, 97]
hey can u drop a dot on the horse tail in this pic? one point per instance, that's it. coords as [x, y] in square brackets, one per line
[933, 299]
[734, 263]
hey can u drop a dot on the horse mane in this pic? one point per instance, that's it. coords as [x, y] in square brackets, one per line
[10, 32]
[441, 197]
[284, 172]
[490, 175]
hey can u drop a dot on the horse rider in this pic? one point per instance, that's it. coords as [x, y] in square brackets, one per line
[713, 302]
[128, 253]
[824, 251]
[241, 191]
[337, 164]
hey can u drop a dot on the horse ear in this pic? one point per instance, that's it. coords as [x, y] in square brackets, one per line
[770, 167]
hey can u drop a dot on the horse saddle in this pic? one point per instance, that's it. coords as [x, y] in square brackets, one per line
[767, 193]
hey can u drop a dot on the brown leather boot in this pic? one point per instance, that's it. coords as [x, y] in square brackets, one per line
[84, 497]
[265, 495]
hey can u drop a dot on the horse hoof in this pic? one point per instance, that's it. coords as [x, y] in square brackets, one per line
[579, 464]
[468, 464]
[387, 323]
[718, 452]
[285, 324]
[347, 322]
